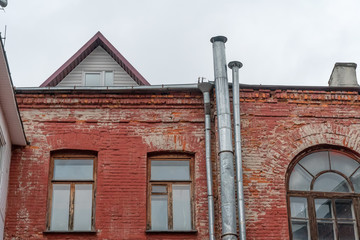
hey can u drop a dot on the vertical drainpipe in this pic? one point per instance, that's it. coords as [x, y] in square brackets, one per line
[235, 66]
[228, 208]
[205, 88]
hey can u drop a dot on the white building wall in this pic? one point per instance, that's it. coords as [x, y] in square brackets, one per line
[98, 60]
[5, 153]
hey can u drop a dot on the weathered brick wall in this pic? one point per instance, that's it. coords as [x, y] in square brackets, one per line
[123, 128]
[276, 126]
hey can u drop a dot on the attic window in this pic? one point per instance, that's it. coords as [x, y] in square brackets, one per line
[99, 78]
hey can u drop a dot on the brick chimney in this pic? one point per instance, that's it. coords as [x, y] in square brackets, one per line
[343, 75]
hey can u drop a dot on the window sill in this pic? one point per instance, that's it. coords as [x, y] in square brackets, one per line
[172, 231]
[69, 232]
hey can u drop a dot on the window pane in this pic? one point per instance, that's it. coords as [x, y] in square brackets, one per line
[83, 207]
[159, 213]
[92, 79]
[158, 189]
[355, 179]
[300, 179]
[331, 182]
[181, 207]
[298, 207]
[343, 163]
[60, 207]
[170, 170]
[325, 230]
[316, 162]
[300, 230]
[346, 231]
[73, 169]
[109, 78]
[323, 208]
[344, 208]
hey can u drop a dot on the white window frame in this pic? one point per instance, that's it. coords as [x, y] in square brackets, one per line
[102, 77]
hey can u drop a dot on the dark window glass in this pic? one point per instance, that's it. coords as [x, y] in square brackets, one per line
[326, 230]
[344, 208]
[300, 230]
[346, 231]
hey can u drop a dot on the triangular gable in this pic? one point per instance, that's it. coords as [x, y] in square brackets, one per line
[97, 40]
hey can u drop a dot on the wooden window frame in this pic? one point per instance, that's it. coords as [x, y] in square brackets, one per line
[73, 155]
[169, 184]
[312, 195]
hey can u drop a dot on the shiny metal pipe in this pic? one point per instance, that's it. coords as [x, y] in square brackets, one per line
[235, 66]
[205, 88]
[228, 206]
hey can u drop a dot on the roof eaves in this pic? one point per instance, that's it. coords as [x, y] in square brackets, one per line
[80, 55]
[17, 132]
[119, 58]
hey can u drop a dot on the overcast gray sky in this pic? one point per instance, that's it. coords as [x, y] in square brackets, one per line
[287, 42]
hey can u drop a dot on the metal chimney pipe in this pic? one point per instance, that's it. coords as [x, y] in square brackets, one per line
[205, 88]
[228, 208]
[235, 66]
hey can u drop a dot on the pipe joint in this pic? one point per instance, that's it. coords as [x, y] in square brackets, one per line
[225, 151]
[230, 234]
[205, 87]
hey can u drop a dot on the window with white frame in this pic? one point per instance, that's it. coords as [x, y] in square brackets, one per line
[98, 78]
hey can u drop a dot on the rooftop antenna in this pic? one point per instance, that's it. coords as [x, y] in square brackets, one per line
[4, 38]
[3, 4]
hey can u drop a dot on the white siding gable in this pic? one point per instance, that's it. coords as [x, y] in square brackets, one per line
[98, 60]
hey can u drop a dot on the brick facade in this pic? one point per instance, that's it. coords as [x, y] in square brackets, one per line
[277, 124]
[123, 129]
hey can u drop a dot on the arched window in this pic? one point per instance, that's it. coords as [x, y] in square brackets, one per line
[323, 195]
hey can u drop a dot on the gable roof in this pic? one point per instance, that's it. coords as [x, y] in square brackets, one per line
[97, 40]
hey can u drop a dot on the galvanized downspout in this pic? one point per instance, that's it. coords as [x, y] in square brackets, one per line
[205, 88]
[228, 208]
[235, 66]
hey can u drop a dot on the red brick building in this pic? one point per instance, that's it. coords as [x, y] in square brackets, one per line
[129, 162]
